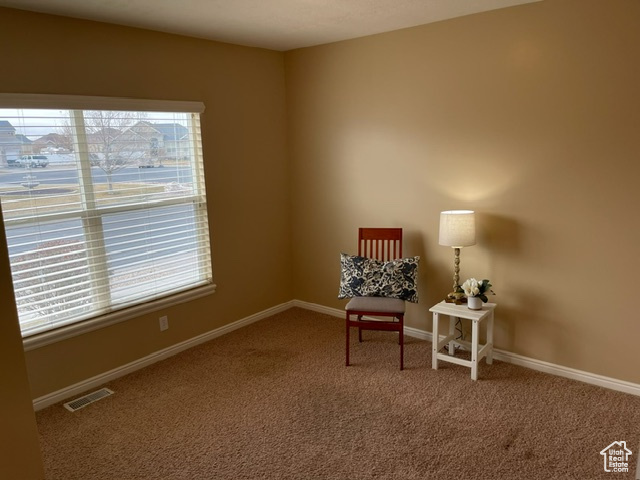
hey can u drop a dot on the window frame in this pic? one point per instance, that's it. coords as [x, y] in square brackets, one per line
[77, 104]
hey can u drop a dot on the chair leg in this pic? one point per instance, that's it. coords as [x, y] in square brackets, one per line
[401, 347]
[347, 336]
[400, 339]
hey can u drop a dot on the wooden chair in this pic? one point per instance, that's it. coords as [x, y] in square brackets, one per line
[382, 244]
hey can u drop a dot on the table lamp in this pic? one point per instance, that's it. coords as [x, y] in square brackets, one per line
[457, 230]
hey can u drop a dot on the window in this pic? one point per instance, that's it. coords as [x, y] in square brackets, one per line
[104, 207]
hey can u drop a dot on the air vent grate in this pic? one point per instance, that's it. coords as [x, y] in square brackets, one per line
[85, 400]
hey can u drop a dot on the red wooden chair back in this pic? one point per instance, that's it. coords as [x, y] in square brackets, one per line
[380, 243]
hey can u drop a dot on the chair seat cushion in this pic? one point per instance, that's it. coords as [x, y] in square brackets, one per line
[376, 304]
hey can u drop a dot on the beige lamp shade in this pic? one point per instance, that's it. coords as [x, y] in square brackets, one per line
[457, 228]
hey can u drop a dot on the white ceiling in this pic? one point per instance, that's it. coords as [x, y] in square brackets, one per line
[274, 24]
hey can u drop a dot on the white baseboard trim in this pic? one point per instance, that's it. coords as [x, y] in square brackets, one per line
[99, 380]
[334, 312]
[509, 357]
[571, 373]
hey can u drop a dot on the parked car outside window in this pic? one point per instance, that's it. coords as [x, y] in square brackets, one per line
[32, 161]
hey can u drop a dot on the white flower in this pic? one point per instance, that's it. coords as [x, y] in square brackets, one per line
[475, 288]
[471, 287]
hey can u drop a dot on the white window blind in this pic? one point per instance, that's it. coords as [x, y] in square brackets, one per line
[104, 205]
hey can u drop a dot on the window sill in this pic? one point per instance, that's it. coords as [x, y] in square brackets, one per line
[64, 333]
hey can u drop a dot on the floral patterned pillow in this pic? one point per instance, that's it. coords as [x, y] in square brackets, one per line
[352, 276]
[367, 277]
[395, 279]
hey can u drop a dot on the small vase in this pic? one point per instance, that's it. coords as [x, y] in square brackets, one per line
[474, 303]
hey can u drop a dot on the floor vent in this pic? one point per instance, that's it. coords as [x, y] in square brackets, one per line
[85, 400]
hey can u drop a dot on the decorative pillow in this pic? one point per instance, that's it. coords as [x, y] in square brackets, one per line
[367, 277]
[395, 279]
[352, 275]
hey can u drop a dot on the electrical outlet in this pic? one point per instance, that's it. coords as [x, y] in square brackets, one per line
[164, 323]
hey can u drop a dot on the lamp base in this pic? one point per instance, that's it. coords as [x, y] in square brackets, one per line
[456, 301]
[457, 295]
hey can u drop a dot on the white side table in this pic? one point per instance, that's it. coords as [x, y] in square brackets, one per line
[456, 312]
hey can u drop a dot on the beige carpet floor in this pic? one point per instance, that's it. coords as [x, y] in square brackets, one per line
[275, 401]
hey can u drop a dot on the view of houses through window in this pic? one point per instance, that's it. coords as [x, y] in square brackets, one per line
[102, 210]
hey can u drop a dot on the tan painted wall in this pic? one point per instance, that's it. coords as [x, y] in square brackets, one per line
[529, 115]
[244, 143]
